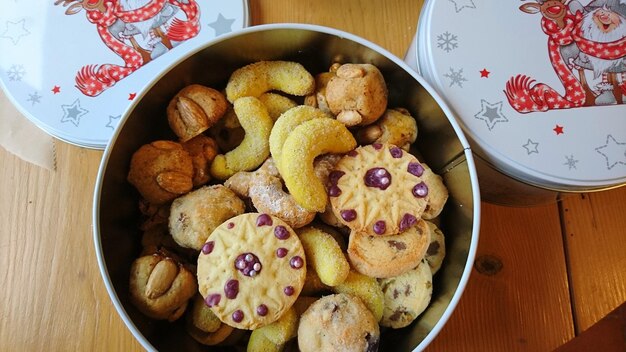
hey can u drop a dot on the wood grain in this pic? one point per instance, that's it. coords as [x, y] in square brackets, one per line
[53, 298]
[517, 298]
[595, 233]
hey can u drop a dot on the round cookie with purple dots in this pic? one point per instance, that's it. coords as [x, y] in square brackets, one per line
[251, 270]
[378, 189]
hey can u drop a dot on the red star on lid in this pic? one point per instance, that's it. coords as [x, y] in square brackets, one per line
[484, 73]
[132, 96]
[56, 90]
[558, 129]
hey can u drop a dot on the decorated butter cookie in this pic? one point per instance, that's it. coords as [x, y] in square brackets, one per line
[378, 189]
[388, 256]
[251, 270]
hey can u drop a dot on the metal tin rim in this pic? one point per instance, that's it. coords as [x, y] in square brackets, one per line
[316, 28]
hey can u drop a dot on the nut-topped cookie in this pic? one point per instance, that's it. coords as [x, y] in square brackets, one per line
[251, 270]
[378, 189]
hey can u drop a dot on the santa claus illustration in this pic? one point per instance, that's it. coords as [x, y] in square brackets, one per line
[605, 22]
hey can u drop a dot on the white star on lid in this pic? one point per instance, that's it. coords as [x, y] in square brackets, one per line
[15, 31]
[613, 151]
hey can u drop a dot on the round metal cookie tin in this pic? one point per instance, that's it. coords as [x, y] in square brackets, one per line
[538, 87]
[73, 67]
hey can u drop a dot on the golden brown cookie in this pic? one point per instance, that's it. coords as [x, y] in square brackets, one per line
[377, 189]
[196, 214]
[389, 256]
[160, 287]
[194, 109]
[202, 150]
[161, 171]
[396, 127]
[251, 270]
[357, 94]
[339, 322]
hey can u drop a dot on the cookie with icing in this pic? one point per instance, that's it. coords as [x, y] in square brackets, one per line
[377, 189]
[251, 270]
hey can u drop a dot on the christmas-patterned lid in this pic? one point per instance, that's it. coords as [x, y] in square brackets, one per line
[538, 86]
[73, 67]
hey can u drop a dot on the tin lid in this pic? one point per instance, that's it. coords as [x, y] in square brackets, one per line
[539, 91]
[73, 67]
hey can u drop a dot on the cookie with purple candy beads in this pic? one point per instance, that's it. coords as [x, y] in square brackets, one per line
[437, 193]
[389, 256]
[377, 189]
[251, 270]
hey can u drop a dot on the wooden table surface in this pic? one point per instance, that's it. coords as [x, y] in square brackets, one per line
[563, 265]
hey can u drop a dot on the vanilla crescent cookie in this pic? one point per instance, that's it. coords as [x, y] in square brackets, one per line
[378, 189]
[389, 256]
[251, 270]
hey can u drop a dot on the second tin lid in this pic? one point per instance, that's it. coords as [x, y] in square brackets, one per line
[537, 99]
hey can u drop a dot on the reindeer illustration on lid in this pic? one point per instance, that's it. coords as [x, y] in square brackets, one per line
[138, 31]
[581, 39]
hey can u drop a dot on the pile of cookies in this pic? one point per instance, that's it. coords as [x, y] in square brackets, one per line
[291, 205]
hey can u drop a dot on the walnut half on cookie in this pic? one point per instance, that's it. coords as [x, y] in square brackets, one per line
[160, 286]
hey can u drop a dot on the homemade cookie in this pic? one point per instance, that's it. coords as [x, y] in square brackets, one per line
[406, 296]
[251, 270]
[160, 287]
[436, 249]
[194, 109]
[389, 256]
[437, 193]
[377, 189]
[339, 322]
[196, 214]
[161, 171]
[265, 188]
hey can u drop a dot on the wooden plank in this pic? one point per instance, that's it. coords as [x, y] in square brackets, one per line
[517, 298]
[595, 229]
[51, 292]
[390, 24]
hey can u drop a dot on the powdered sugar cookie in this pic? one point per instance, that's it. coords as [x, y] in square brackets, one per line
[377, 189]
[389, 256]
[251, 270]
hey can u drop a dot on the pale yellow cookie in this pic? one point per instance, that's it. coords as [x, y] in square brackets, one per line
[308, 141]
[251, 270]
[262, 76]
[406, 296]
[376, 189]
[436, 251]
